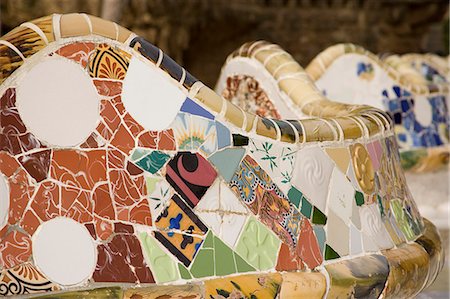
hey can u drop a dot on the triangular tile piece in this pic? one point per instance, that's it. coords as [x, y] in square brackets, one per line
[209, 241]
[224, 258]
[340, 156]
[184, 272]
[242, 265]
[191, 107]
[203, 265]
[223, 136]
[227, 161]
[330, 254]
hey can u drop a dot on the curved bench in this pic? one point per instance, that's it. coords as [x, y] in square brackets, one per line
[348, 72]
[119, 165]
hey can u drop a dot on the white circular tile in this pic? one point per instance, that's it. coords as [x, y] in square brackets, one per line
[4, 201]
[64, 251]
[58, 102]
[151, 98]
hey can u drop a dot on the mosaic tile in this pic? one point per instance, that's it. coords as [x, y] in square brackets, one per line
[263, 197]
[78, 52]
[112, 267]
[190, 175]
[159, 194]
[361, 277]
[180, 230]
[312, 173]
[189, 106]
[169, 292]
[320, 234]
[330, 253]
[341, 196]
[60, 244]
[15, 249]
[372, 225]
[107, 62]
[227, 161]
[277, 161]
[308, 247]
[244, 286]
[142, 83]
[257, 245]
[356, 246]
[153, 161]
[337, 234]
[240, 140]
[288, 260]
[163, 267]
[24, 279]
[222, 212]
[223, 136]
[299, 285]
[203, 135]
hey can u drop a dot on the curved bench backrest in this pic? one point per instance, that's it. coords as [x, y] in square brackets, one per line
[110, 147]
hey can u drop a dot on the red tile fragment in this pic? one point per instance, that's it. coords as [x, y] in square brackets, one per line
[37, 164]
[78, 52]
[141, 213]
[20, 192]
[167, 140]
[123, 140]
[121, 260]
[288, 260]
[148, 139]
[46, 201]
[29, 222]
[102, 200]
[108, 88]
[15, 249]
[79, 169]
[104, 228]
[308, 247]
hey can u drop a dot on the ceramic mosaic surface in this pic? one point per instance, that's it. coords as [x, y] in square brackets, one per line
[350, 74]
[418, 107]
[119, 165]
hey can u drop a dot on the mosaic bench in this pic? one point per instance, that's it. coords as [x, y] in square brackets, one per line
[123, 176]
[419, 108]
[434, 68]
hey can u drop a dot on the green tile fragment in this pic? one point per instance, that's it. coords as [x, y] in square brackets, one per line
[163, 267]
[153, 162]
[330, 254]
[203, 265]
[318, 217]
[227, 161]
[380, 206]
[209, 241]
[138, 154]
[359, 198]
[258, 245]
[319, 231]
[306, 209]
[295, 196]
[184, 272]
[242, 265]
[224, 258]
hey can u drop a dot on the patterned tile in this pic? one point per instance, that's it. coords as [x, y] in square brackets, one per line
[258, 246]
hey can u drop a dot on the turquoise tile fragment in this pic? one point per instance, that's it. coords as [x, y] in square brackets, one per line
[227, 161]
